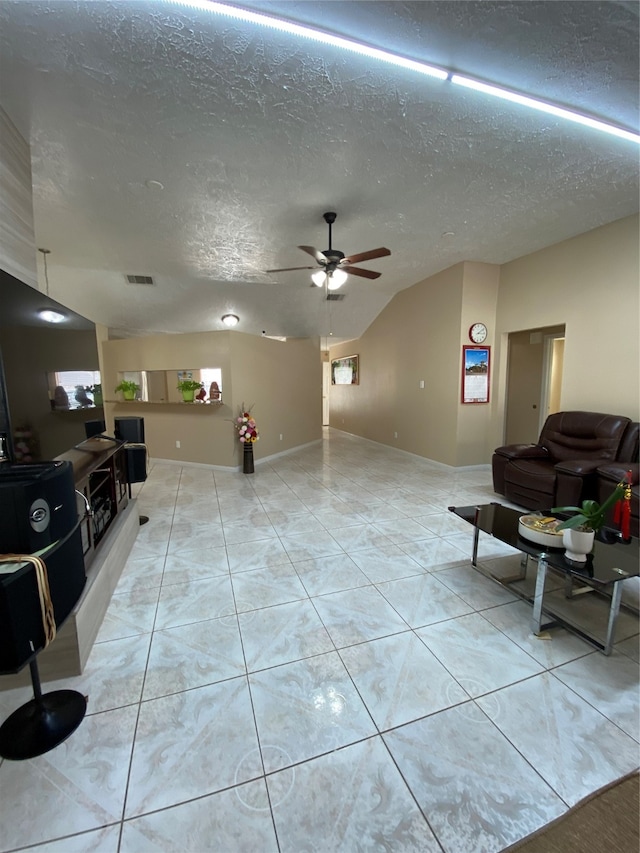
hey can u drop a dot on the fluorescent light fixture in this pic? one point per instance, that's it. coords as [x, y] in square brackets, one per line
[230, 320]
[543, 106]
[50, 316]
[313, 34]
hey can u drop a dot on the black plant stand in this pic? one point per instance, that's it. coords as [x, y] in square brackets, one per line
[42, 723]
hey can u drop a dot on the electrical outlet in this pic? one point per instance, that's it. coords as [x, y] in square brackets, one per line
[280, 436]
[422, 383]
[395, 435]
[178, 445]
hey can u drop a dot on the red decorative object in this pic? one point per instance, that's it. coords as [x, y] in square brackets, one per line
[622, 509]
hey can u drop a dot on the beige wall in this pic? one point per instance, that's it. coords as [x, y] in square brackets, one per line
[282, 381]
[29, 353]
[479, 300]
[419, 336]
[588, 284]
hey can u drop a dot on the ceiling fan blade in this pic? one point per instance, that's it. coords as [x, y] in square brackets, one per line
[366, 256]
[290, 269]
[310, 250]
[363, 273]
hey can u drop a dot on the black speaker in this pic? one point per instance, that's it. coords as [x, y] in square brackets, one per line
[130, 429]
[92, 428]
[21, 630]
[136, 456]
[37, 505]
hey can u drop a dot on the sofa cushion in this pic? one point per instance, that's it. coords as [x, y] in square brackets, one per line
[583, 435]
[630, 444]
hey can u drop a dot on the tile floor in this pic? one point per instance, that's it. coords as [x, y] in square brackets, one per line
[303, 659]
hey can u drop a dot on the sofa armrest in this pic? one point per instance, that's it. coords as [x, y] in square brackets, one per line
[522, 451]
[617, 471]
[575, 480]
[577, 467]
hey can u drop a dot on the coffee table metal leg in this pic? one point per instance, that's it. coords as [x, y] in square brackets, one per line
[474, 555]
[614, 609]
[541, 577]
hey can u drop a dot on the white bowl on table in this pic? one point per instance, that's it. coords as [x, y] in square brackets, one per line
[541, 529]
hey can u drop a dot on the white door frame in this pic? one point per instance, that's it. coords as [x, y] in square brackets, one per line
[326, 388]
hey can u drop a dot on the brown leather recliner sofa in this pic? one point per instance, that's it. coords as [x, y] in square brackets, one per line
[561, 468]
[611, 474]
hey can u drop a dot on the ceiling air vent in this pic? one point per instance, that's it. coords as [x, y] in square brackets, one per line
[139, 279]
[335, 297]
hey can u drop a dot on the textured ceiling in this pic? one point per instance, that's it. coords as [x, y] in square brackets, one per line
[254, 134]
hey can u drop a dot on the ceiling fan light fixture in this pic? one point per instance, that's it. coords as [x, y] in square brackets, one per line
[230, 320]
[333, 279]
[336, 279]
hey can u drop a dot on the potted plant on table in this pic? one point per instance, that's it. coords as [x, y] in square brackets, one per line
[129, 389]
[188, 387]
[586, 520]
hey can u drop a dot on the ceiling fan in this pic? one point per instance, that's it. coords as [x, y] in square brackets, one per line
[332, 262]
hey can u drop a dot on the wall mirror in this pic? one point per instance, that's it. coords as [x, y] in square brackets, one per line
[162, 386]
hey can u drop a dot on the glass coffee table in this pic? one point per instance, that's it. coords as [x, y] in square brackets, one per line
[606, 566]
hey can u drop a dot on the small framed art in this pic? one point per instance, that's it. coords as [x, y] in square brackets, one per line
[345, 371]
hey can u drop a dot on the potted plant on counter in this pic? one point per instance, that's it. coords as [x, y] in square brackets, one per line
[129, 389]
[189, 388]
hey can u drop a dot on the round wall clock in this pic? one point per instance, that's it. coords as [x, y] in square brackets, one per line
[478, 333]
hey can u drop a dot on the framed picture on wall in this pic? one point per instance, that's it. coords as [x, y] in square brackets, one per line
[345, 371]
[475, 374]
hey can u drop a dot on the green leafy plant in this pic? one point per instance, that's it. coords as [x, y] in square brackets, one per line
[590, 515]
[127, 385]
[189, 385]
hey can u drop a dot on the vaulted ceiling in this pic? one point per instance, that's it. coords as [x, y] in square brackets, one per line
[171, 142]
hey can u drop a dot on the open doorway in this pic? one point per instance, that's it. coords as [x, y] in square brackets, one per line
[534, 380]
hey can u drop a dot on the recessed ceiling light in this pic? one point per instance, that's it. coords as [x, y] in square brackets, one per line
[448, 233]
[154, 185]
[230, 319]
[50, 316]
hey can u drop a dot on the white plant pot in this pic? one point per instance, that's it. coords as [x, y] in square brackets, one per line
[577, 543]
